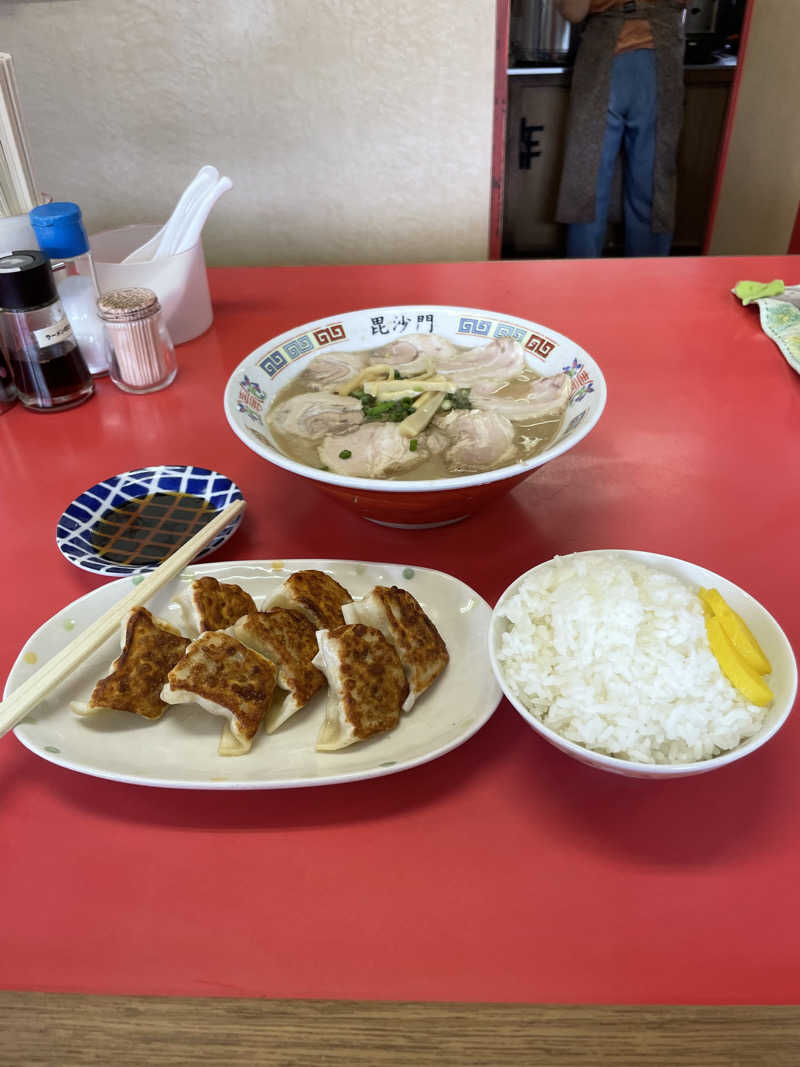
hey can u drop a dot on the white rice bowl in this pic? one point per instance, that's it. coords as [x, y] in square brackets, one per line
[606, 653]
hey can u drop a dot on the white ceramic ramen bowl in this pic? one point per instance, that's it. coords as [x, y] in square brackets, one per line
[782, 680]
[257, 380]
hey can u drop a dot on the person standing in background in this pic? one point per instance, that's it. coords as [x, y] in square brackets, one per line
[627, 97]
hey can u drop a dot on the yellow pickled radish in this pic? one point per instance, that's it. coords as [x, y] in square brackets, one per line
[738, 672]
[737, 631]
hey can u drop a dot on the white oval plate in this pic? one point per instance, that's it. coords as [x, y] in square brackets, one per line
[782, 681]
[180, 749]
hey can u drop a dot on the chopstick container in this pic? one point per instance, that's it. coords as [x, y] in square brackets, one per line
[180, 281]
[142, 353]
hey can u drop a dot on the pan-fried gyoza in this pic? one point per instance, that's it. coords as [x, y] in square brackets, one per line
[225, 678]
[289, 640]
[150, 648]
[376, 655]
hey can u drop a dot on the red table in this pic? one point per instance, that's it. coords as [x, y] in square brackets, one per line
[503, 871]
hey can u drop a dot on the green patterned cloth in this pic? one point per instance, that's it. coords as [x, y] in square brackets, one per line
[780, 318]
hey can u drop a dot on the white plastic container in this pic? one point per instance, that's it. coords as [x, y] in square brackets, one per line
[16, 234]
[180, 282]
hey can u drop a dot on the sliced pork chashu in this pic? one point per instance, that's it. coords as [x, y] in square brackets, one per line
[330, 369]
[477, 440]
[313, 415]
[315, 595]
[150, 648]
[219, 674]
[414, 353]
[367, 685]
[499, 361]
[372, 450]
[401, 620]
[546, 397]
[288, 639]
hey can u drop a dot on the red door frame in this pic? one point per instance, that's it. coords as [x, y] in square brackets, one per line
[726, 136]
[794, 239]
[502, 23]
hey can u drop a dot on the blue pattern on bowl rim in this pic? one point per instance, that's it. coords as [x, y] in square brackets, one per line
[73, 533]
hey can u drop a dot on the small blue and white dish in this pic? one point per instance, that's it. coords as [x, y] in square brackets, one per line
[131, 522]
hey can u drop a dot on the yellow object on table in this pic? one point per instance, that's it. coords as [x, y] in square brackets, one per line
[737, 631]
[738, 653]
[748, 292]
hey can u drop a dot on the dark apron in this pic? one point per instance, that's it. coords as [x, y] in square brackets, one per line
[588, 109]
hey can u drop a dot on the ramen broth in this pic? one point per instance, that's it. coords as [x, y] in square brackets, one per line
[530, 438]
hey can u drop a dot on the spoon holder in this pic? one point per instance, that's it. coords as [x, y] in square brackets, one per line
[180, 282]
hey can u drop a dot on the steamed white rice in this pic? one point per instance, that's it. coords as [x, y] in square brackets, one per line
[612, 654]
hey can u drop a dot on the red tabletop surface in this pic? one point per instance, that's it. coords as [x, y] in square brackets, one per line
[504, 871]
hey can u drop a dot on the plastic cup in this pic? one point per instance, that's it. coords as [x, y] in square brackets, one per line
[16, 234]
[180, 282]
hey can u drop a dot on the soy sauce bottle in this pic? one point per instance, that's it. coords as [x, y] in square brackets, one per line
[36, 338]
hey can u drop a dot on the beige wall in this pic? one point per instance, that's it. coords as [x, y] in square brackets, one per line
[760, 187]
[353, 131]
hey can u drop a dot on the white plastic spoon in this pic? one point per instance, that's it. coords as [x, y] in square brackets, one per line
[204, 180]
[187, 237]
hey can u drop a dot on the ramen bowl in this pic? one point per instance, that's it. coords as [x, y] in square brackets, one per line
[406, 502]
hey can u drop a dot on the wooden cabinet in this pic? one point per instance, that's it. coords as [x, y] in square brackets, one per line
[705, 110]
[536, 126]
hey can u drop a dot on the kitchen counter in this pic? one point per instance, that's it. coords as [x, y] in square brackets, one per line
[725, 65]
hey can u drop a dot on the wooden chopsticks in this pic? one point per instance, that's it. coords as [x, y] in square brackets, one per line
[25, 698]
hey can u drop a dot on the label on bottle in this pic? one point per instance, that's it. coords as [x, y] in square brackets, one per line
[51, 335]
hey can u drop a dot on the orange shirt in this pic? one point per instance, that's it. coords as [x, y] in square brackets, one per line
[635, 33]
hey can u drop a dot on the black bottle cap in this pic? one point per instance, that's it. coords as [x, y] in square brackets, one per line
[26, 280]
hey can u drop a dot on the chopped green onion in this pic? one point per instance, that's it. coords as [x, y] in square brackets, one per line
[386, 410]
[345, 453]
[458, 399]
[412, 444]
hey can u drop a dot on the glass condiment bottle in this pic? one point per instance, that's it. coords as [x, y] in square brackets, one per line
[60, 233]
[36, 338]
[142, 353]
[8, 391]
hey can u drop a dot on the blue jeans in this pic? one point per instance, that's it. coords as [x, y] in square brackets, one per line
[630, 128]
